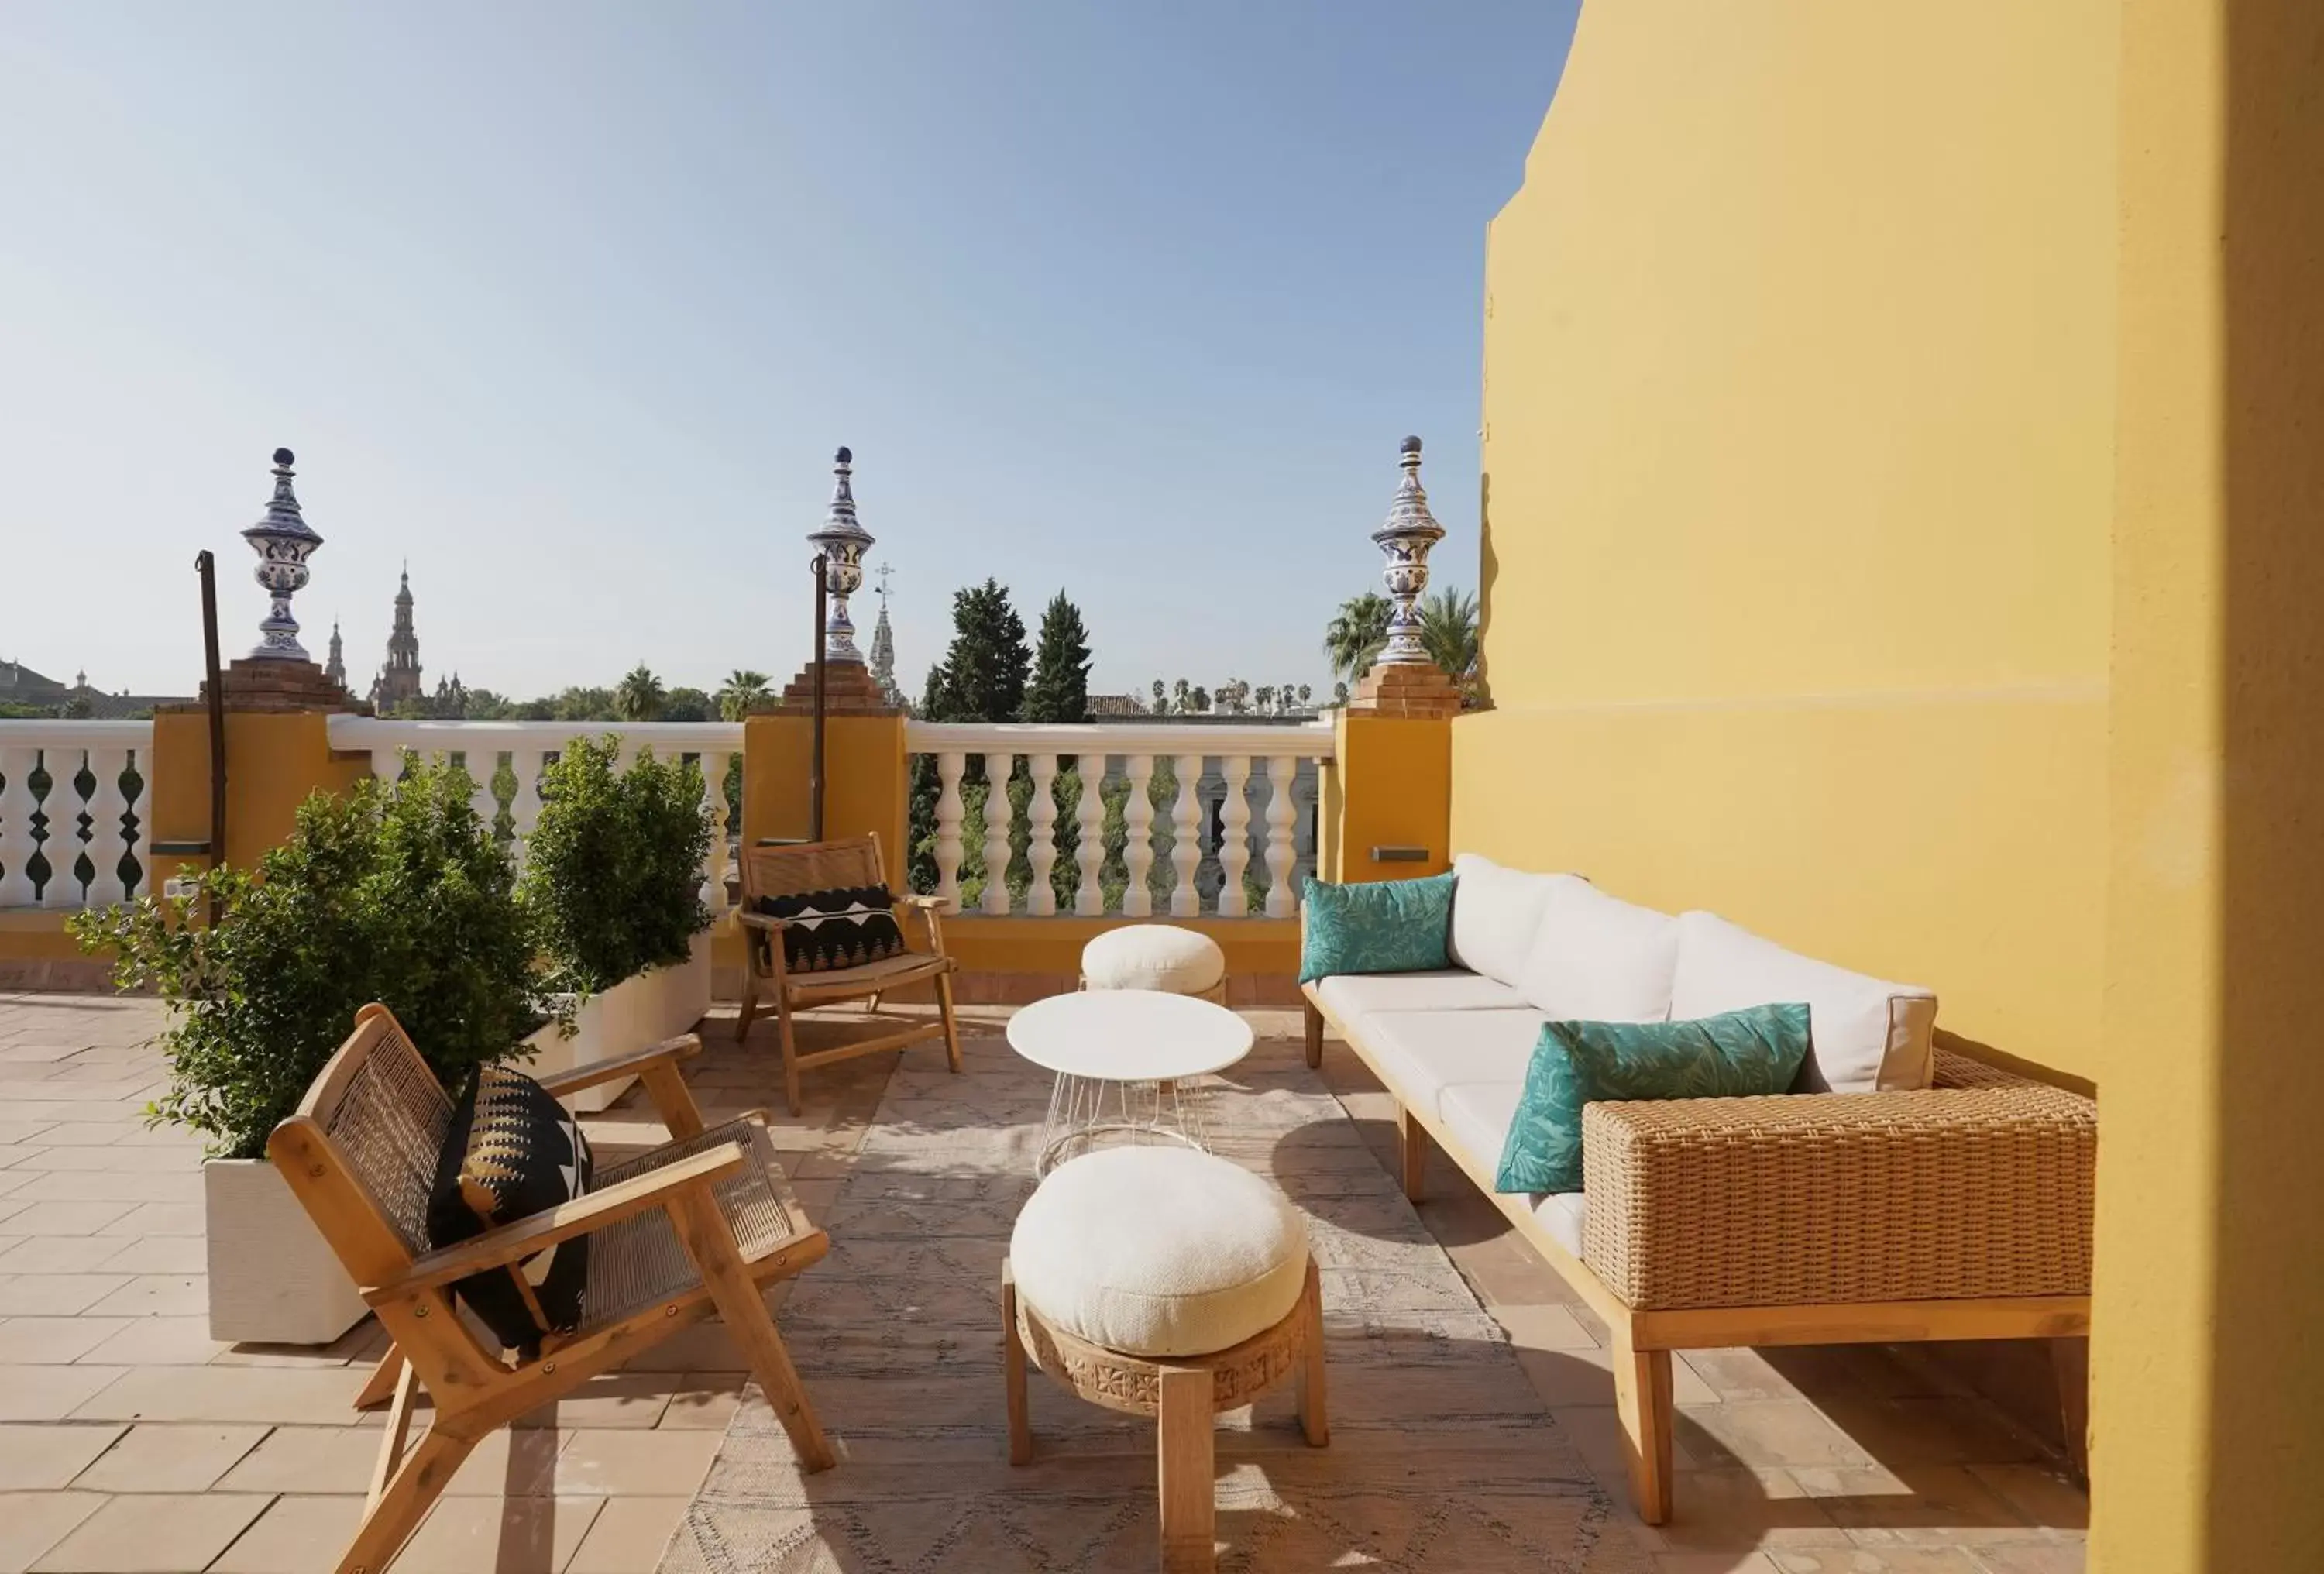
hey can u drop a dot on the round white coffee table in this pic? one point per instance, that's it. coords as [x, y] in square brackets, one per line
[1122, 1060]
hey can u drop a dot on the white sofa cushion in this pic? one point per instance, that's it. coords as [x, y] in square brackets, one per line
[1864, 1034]
[1495, 912]
[1477, 1117]
[1350, 995]
[1562, 1214]
[1596, 957]
[1159, 1251]
[1422, 1053]
[1154, 957]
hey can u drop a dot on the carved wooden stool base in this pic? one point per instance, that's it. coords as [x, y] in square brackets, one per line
[1184, 1393]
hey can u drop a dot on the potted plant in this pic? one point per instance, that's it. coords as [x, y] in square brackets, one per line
[613, 878]
[393, 892]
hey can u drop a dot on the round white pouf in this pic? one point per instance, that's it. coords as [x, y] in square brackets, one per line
[1160, 1252]
[1154, 957]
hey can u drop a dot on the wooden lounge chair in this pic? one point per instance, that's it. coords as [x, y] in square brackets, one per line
[701, 1224]
[772, 872]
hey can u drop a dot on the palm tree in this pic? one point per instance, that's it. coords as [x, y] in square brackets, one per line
[744, 691]
[639, 696]
[1448, 631]
[1356, 633]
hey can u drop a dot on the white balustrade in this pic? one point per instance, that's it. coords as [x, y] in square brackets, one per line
[63, 753]
[1243, 755]
[529, 746]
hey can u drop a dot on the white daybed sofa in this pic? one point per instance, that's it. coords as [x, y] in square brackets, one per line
[1899, 1193]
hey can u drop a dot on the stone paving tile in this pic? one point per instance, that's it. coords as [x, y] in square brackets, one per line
[155, 1534]
[324, 1396]
[63, 1216]
[628, 1536]
[54, 1341]
[155, 1254]
[484, 1536]
[300, 1535]
[161, 1342]
[157, 1295]
[169, 1458]
[703, 1401]
[1885, 1560]
[54, 1294]
[159, 1219]
[658, 1463]
[307, 1460]
[31, 1522]
[52, 1392]
[37, 1458]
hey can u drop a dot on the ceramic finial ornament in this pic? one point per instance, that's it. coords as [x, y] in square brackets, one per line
[842, 542]
[283, 541]
[1405, 539]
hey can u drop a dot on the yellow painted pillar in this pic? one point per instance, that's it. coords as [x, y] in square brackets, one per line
[865, 787]
[1389, 788]
[274, 761]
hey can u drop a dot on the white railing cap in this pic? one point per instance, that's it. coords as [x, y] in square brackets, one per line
[1304, 740]
[43, 732]
[347, 732]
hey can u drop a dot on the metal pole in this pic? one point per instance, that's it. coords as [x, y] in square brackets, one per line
[815, 768]
[207, 567]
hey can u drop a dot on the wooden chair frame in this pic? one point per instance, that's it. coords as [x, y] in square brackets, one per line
[850, 861]
[473, 1390]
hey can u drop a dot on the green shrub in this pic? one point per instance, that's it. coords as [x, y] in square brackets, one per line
[613, 873]
[393, 892]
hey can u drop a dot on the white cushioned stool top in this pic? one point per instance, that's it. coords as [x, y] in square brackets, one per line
[1153, 956]
[1159, 1251]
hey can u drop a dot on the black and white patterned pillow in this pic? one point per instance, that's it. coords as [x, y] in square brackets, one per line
[513, 1150]
[839, 928]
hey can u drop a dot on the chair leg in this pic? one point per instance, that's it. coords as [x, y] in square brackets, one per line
[1314, 1034]
[950, 1022]
[1315, 1418]
[398, 1429]
[380, 1386]
[1412, 1141]
[405, 1499]
[790, 1054]
[2070, 1359]
[740, 1303]
[750, 1002]
[1188, 1474]
[1013, 1372]
[1642, 1394]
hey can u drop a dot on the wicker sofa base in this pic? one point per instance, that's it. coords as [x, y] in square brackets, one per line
[1643, 1336]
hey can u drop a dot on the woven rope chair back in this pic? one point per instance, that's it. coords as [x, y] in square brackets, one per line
[385, 1116]
[815, 865]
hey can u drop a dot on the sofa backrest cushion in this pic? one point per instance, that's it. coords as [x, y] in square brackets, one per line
[1495, 912]
[1865, 1034]
[1596, 957]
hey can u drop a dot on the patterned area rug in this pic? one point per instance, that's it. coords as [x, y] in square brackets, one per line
[1441, 1457]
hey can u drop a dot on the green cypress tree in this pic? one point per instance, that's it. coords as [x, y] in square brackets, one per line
[1059, 690]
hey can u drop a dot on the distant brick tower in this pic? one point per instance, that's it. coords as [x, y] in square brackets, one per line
[336, 668]
[883, 648]
[399, 680]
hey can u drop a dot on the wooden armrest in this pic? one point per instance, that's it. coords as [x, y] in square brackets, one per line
[519, 1238]
[762, 921]
[927, 904]
[685, 1046]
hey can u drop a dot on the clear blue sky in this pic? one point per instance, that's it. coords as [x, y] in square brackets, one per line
[569, 304]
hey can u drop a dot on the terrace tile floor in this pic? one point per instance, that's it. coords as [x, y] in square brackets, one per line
[130, 1440]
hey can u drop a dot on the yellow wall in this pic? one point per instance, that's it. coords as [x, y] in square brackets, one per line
[1389, 784]
[865, 787]
[1799, 381]
[1901, 535]
[274, 762]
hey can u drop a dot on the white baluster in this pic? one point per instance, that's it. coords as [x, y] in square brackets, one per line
[1089, 899]
[16, 845]
[1041, 852]
[996, 834]
[949, 766]
[713, 863]
[482, 765]
[62, 849]
[1186, 835]
[524, 803]
[1234, 837]
[1138, 849]
[106, 842]
[1279, 853]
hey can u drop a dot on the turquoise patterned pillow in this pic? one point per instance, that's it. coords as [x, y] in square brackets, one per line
[1378, 926]
[1757, 1050]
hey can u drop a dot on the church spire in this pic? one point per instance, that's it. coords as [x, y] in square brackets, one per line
[883, 647]
[335, 670]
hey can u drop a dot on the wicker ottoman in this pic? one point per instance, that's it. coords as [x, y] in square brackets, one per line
[1155, 956]
[1164, 1281]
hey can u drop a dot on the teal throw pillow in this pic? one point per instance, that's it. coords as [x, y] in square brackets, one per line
[1379, 926]
[1757, 1049]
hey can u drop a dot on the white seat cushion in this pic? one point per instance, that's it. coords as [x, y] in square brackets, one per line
[1562, 1214]
[1864, 1034]
[1422, 1053]
[1495, 911]
[1159, 1251]
[1477, 1115]
[1153, 956]
[1597, 958]
[1350, 995]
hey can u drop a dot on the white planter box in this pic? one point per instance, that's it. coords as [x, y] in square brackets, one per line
[643, 1008]
[273, 1280]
